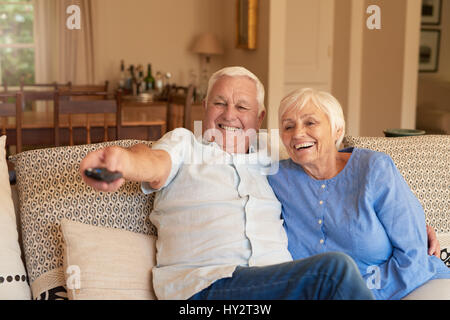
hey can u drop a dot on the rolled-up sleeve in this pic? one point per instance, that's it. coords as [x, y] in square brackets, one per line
[403, 218]
[177, 144]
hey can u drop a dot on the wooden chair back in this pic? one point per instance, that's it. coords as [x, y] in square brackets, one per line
[64, 103]
[181, 96]
[8, 109]
[87, 88]
[41, 95]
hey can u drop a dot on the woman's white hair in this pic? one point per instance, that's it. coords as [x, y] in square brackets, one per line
[299, 98]
[239, 72]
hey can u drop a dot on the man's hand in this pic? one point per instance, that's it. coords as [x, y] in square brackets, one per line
[434, 247]
[111, 158]
[137, 163]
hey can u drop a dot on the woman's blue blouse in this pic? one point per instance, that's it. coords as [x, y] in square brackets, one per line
[367, 211]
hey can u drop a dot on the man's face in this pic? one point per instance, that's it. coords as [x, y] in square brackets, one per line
[232, 113]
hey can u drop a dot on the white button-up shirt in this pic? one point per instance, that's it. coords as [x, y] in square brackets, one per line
[215, 212]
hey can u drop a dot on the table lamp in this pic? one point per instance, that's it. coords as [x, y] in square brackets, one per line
[206, 45]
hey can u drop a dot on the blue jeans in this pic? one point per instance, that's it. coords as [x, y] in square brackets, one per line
[331, 275]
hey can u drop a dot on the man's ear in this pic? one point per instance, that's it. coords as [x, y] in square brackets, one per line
[261, 118]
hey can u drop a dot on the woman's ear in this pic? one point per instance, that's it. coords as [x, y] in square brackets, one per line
[337, 134]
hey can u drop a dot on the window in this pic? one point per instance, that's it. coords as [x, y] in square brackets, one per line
[17, 47]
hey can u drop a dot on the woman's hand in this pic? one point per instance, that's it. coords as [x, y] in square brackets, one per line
[111, 158]
[434, 247]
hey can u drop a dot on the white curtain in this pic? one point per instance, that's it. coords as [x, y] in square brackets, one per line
[62, 54]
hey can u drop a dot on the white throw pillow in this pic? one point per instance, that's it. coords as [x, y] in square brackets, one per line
[13, 277]
[107, 263]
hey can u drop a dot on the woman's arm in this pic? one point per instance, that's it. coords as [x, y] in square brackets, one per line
[403, 219]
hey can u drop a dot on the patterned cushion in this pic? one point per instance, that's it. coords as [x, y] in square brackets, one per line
[57, 293]
[424, 162]
[50, 188]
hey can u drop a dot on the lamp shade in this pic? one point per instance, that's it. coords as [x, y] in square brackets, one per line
[207, 43]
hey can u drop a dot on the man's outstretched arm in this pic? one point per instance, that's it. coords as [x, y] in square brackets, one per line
[137, 163]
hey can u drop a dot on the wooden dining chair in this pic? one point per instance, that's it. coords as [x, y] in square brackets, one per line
[8, 109]
[87, 88]
[179, 99]
[37, 94]
[65, 104]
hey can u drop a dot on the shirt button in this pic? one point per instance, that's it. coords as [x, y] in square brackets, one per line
[320, 202]
[323, 186]
[320, 221]
[321, 241]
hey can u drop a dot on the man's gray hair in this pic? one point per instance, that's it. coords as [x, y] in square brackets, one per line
[239, 72]
[299, 98]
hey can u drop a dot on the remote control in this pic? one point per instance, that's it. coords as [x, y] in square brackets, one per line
[102, 174]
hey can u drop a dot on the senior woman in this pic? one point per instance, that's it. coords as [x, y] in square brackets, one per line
[354, 200]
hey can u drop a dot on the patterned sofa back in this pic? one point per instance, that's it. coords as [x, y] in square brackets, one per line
[50, 188]
[424, 162]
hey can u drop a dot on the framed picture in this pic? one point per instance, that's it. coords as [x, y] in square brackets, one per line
[431, 11]
[429, 50]
[247, 24]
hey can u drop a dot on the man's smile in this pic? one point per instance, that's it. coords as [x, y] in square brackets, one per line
[229, 128]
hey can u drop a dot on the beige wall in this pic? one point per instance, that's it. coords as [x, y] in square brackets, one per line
[153, 31]
[161, 32]
[341, 53]
[300, 49]
[254, 60]
[375, 71]
[382, 70]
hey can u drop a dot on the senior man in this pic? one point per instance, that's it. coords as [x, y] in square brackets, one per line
[220, 235]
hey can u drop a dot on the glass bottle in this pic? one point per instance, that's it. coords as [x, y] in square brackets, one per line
[131, 79]
[122, 80]
[159, 84]
[149, 80]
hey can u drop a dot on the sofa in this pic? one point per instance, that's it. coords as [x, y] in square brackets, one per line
[60, 239]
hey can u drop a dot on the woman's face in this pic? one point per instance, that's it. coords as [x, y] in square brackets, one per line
[307, 135]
